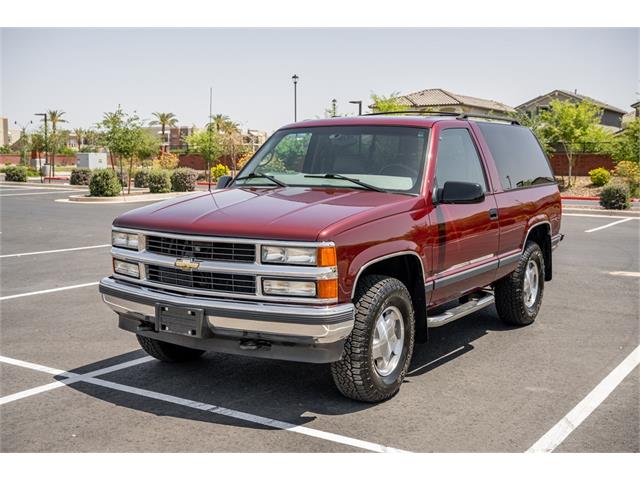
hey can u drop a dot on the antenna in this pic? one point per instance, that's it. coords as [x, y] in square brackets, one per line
[210, 126]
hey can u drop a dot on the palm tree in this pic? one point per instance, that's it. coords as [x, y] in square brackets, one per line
[55, 117]
[80, 135]
[218, 122]
[164, 120]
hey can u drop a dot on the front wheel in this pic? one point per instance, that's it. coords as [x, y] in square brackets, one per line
[519, 295]
[168, 352]
[378, 352]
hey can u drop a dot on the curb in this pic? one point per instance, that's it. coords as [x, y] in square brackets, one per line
[596, 199]
[136, 198]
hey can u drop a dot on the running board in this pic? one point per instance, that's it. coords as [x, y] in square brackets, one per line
[460, 311]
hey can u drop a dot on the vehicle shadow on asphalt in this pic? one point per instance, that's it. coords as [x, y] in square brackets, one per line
[287, 391]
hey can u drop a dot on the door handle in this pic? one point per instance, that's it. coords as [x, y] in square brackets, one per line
[493, 214]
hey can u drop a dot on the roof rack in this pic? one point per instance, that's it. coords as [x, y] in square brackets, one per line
[458, 116]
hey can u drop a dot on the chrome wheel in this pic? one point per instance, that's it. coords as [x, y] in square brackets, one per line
[388, 341]
[531, 284]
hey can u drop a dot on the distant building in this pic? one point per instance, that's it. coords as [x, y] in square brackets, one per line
[177, 137]
[611, 116]
[4, 131]
[441, 100]
[253, 139]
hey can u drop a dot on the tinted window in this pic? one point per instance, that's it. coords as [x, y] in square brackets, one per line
[458, 159]
[518, 156]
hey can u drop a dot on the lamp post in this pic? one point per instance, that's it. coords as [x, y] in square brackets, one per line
[295, 78]
[359, 103]
[46, 145]
[334, 107]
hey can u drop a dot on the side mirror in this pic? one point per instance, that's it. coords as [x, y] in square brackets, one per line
[223, 181]
[460, 192]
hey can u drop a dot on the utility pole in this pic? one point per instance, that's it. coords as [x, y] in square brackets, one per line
[295, 97]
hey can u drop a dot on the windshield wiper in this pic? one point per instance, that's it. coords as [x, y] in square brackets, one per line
[353, 180]
[261, 175]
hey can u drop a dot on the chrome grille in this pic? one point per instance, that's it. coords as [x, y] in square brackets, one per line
[202, 250]
[209, 281]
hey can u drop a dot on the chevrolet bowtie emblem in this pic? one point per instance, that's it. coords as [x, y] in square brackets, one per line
[187, 264]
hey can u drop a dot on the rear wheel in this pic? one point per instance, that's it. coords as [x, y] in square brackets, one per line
[168, 352]
[378, 352]
[519, 295]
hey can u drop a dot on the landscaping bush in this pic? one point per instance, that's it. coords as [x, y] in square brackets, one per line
[630, 173]
[159, 181]
[15, 174]
[599, 176]
[104, 183]
[141, 178]
[218, 171]
[183, 180]
[614, 197]
[80, 176]
[167, 161]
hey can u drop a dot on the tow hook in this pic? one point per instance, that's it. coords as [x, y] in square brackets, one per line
[254, 345]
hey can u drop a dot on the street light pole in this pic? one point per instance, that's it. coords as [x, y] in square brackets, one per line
[46, 146]
[295, 97]
[334, 107]
[359, 103]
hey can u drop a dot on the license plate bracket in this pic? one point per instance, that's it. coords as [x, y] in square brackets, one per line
[185, 321]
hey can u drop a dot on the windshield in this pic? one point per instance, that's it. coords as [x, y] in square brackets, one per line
[363, 157]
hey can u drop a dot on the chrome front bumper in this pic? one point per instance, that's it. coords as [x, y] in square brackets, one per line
[298, 324]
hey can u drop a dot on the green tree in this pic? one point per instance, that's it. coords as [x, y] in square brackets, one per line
[164, 119]
[110, 129]
[386, 103]
[626, 145]
[207, 143]
[79, 133]
[534, 121]
[55, 117]
[575, 127]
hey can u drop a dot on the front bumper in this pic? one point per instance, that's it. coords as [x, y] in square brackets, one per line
[310, 333]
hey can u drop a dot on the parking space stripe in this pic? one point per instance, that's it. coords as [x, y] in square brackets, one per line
[71, 377]
[50, 290]
[205, 407]
[625, 274]
[593, 215]
[608, 225]
[54, 251]
[39, 193]
[561, 430]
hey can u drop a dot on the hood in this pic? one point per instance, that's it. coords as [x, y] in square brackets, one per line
[291, 213]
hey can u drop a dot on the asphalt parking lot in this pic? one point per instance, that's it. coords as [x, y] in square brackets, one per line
[72, 381]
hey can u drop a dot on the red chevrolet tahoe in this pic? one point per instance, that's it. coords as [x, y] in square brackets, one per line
[344, 241]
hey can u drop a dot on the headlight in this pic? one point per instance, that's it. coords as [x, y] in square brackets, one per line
[291, 288]
[126, 268]
[125, 240]
[322, 256]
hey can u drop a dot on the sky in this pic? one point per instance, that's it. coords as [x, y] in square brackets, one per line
[86, 72]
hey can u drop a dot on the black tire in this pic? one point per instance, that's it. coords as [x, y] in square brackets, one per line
[356, 374]
[168, 352]
[510, 294]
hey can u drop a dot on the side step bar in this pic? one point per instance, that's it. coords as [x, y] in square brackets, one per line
[460, 311]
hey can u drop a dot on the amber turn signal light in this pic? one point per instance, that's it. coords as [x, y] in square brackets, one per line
[327, 288]
[327, 257]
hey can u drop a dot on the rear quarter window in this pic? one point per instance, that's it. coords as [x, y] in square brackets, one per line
[518, 156]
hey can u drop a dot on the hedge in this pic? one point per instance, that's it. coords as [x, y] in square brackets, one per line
[15, 174]
[104, 183]
[614, 197]
[80, 176]
[159, 181]
[183, 180]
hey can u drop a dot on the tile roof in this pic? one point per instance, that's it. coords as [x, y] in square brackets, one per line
[576, 96]
[435, 97]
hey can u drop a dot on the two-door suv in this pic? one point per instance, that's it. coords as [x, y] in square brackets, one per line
[343, 241]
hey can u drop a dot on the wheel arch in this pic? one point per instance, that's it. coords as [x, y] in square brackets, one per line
[540, 233]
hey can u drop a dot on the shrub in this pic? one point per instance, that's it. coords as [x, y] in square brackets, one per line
[15, 174]
[159, 181]
[242, 161]
[630, 173]
[141, 178]
[218, 171]
[167, 161]
[599, 176]
[614, 197]
[104, 183]
[183, 180]
[80, 176]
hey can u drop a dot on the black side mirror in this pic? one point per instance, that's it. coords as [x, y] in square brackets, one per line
[461, 192]
[223, 181]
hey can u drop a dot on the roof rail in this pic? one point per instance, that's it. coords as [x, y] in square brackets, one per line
[464, 116]
[459, 116]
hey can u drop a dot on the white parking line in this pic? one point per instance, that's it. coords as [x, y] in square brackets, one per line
[40, 193]
[608, 225]
[561, 430]
[625, 274]
[54, 251]
[50, 290]
[226, 412]
[71, 377]
[592, 215]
